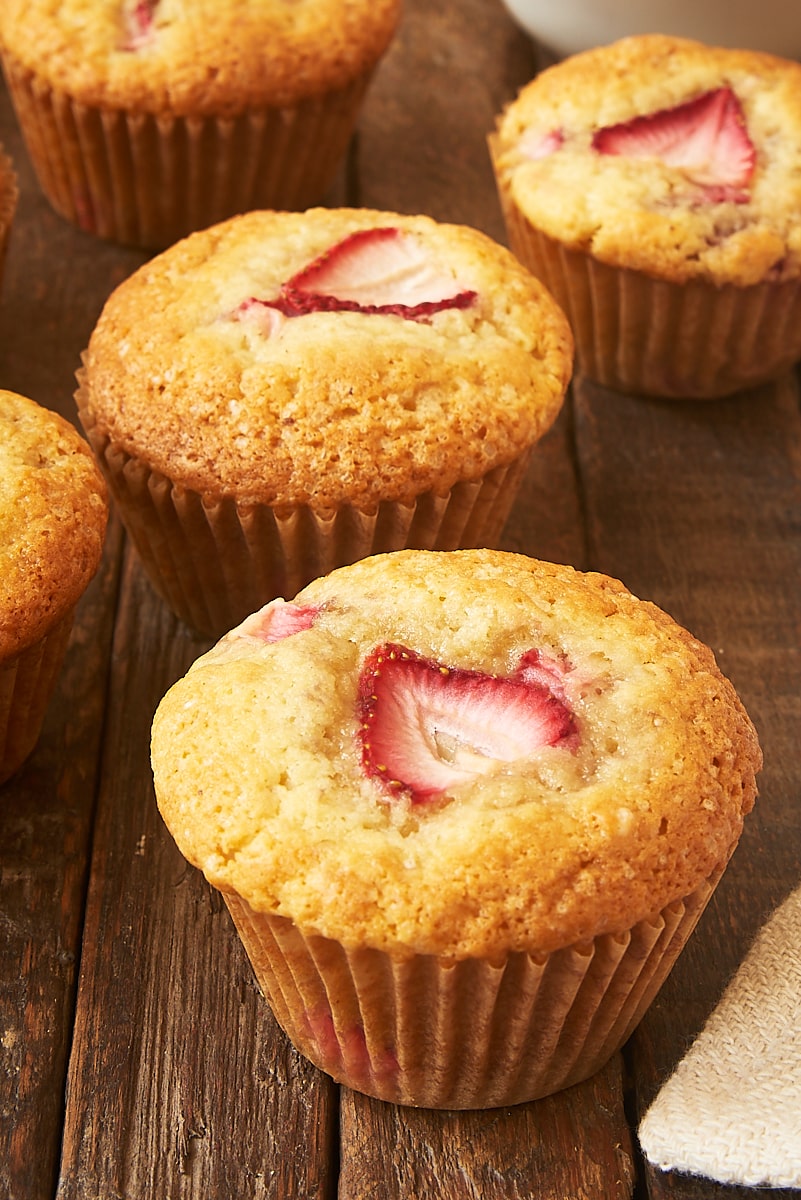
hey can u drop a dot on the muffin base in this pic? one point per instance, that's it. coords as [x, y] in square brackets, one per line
[214, 561]
[437, 1033]
[638, 334]
[27, 682]
[148, 180]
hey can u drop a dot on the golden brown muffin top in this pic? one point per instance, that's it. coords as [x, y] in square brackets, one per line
[264, 757]
[52, 520]
[197, 56]
[189, 370]
[643, 210]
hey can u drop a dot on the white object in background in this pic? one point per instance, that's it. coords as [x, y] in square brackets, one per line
[567, 26]
[732, 1109]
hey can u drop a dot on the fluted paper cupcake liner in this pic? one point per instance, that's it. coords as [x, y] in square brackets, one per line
[439, 1033]
[27, 682]
[147, 180]
[214, 561]
[644, 335]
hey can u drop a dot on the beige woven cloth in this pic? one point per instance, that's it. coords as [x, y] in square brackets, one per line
[732, 1109]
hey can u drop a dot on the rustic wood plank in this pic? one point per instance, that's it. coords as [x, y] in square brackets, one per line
[571, 1144]
[46, 813]
[696, 507]
[55, 282]
[422, 141]
[422, 148]
[180, 1084]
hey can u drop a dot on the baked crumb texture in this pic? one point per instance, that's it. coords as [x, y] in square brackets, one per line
[52, 526]
[499, 940]
[259, 778]
[146, 119]
[248, 458]
[672, 287]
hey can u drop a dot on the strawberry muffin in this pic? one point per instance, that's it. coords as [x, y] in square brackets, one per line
[465, 809]
[654, 185]
[52, 526]
[147, 119]
[286, 393]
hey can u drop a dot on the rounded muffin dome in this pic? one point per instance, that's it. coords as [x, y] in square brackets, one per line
[461, 754]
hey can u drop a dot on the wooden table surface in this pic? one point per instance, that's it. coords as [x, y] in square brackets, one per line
[137, 1058]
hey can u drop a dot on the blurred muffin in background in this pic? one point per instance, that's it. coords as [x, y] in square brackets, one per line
[53, 516]
[654, 186]
[148, 119]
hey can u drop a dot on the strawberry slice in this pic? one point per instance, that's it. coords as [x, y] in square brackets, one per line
[706, 137]
[264, 317]
[537, 145]
[537, 670]
[378, 270]
[139, 24]
[278, 620]
[425, 727]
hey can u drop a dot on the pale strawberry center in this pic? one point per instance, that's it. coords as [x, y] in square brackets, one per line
[540, 145]
[138, 23]
[278, 620]
[425, 727]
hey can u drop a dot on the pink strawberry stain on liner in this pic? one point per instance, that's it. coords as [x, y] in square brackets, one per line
[139, 24]
[707, 137]
[348, 1052]
[371, 271]
[424, 727]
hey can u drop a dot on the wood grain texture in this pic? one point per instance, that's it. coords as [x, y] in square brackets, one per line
[55, 282]
[180, 1083]
[697, 508]
[46, 819]
[571, 1144]
[422, 137]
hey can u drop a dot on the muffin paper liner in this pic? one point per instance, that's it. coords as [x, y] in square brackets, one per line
[437, 1033]
[215, 561]
[27, 682]
[644, 335]
[147, 180]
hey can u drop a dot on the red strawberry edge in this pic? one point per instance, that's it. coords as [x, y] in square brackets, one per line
[706, 136]
[319, 286]
[139, 24]
[278, 620]
[406, 703]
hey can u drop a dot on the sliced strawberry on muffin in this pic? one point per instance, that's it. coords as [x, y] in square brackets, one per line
[138, 24]
[376, 270]
[425, 726]
[706, 137]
